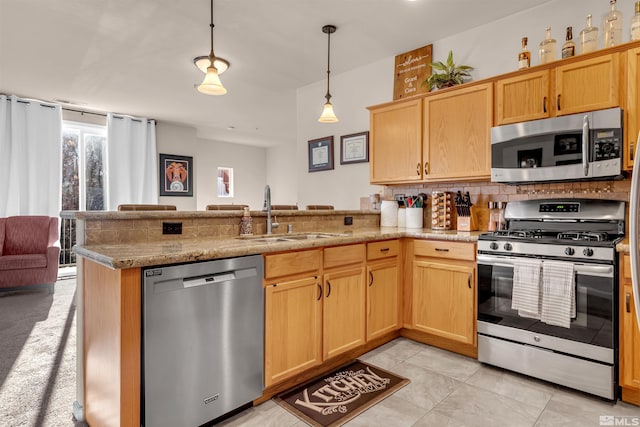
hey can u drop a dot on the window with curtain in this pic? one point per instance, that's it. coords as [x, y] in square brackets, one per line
[83, 166]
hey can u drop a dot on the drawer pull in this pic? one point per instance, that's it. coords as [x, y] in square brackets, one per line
[384, 250]
[328, 288]
[627, 302]
[370, 278]
[442, 250]
[319, 292]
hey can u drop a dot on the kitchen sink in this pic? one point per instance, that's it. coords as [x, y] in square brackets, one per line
[291, 237]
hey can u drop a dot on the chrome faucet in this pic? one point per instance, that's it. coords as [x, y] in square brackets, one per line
[267, 208]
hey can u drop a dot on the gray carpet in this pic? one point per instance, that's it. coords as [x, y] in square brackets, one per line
[38, 356]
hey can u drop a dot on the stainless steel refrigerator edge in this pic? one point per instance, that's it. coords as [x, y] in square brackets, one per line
[203, 340]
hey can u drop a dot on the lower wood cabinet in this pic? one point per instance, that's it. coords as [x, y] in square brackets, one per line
[442, 291]
[293, 328]
[315, 313]
[629, 337]
[343, 311]
[383, 288]
[443, 299]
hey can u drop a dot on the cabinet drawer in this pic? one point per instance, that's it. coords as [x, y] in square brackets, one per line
[344, 255]
[385, 249]
[445, 249]
[291, 263]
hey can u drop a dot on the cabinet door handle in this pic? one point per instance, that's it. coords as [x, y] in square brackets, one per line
[469, 281]
[319, 292]
[370, 278]
[544, 104]
[426, 168]
[442, 250]
[627, 302]
[558, 102]
[418, 169]
[328, 288]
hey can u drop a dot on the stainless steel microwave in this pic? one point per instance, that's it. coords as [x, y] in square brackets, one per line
[575, 147]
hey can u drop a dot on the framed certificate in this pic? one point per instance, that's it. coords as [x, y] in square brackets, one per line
[321, 154]
[354, 148]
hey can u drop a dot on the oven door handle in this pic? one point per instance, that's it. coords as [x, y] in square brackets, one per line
[585, 145]
[583, 269]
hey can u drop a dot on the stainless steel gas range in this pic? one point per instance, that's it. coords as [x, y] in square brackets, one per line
[547, 292]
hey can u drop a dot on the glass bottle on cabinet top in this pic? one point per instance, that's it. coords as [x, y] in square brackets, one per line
[635, 23]
[612, 27]
[547, 49]
[524, 57]
[569, 46]
[588, 37]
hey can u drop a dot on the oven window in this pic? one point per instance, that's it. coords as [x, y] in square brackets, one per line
[595, 301]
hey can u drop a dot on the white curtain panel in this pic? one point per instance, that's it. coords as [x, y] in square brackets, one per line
[132, 161]
[30, 157]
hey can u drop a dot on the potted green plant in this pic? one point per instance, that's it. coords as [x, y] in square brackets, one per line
[446, 74]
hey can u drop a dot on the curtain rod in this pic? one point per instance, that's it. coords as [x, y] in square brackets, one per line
[115, 115]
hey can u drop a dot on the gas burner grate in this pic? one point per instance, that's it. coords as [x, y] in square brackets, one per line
[589, 236]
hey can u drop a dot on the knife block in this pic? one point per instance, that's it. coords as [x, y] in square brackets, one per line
[468, 223]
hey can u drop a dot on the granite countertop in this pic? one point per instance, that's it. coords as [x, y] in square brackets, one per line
[181, 251]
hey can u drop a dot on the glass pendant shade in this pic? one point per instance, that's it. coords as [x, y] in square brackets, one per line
[328, 116]
[211, 85]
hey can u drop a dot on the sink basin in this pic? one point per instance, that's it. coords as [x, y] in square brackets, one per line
[291, 237]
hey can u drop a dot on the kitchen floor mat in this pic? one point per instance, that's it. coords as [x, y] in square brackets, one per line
[334, 398]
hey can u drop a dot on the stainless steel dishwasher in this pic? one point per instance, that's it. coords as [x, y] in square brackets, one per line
[203, 340]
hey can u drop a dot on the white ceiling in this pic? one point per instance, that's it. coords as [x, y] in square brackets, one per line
[135, 57]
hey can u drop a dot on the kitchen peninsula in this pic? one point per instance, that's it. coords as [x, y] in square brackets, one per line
[113, 247]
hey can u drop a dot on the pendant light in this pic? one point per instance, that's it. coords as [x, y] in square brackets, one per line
[328, 116]
[211, 85]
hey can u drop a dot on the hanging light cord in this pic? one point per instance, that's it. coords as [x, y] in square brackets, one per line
[328, 95]
[211, 54]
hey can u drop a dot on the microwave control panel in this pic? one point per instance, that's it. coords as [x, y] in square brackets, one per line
[606, 144]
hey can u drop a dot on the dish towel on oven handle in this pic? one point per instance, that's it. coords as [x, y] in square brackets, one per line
[526, 297]
[558, 293]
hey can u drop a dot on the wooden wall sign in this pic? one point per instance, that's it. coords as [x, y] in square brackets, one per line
[411, 69]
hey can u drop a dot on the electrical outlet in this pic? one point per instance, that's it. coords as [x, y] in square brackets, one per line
[171, 228]
[348, 220]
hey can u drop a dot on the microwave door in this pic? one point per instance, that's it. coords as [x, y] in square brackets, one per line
[541, 157]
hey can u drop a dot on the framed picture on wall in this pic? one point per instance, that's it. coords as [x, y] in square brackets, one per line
[176, 175]
[321, 154]
[354, 148]
[225, 182]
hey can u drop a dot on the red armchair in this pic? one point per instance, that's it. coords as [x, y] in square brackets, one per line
[29, 251]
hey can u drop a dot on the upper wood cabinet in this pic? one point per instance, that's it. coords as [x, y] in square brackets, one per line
[575, 87]
[632, 107]
[396, 142]
[590, 84]
[457, 134]
[522, 98]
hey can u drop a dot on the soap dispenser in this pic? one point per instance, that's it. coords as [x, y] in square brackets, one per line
[246, 223]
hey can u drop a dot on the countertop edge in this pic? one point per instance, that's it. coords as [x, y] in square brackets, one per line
[184, 251]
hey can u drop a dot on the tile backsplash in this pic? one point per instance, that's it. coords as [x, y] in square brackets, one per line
[483, 192]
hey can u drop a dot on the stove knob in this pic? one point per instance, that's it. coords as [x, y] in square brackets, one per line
[569, 251]
[493, 246]
[507, 246]
[588, 252]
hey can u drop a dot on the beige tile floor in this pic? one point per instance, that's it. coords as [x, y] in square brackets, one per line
[448, 390]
